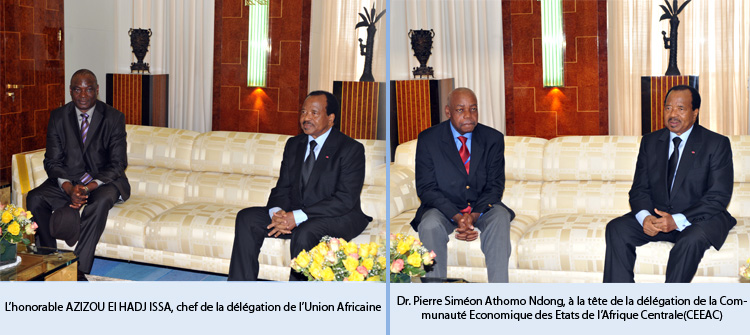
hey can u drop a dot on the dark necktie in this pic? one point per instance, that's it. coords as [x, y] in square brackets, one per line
[307, 167]
[86, 178]
[464, 152]
[673, 161]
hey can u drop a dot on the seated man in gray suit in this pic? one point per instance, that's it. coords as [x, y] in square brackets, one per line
[460, 177]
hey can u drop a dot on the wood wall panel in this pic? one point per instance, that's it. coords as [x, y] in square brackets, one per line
[578, 108]
[359, 107]
[31, 56]
[270, 109]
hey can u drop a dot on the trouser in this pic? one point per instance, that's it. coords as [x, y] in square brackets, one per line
[494, 226]
[623, 234]
[48, 197]
[250, 231]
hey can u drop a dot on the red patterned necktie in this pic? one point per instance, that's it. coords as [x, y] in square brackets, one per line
[86, 178]
[464, 152]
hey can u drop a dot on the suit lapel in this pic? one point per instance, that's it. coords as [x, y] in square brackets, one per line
[662, 164]
[693, 145]
[477, 149]
[297, 165]
[451, 152]
[96, 120]
[73, 124]
[330, 147]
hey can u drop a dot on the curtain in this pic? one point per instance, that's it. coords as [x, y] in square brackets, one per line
[713, 43]
[468, 46]
[334, 44]
[182, 46]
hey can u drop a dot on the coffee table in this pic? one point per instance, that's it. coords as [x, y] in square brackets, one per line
[43, 264]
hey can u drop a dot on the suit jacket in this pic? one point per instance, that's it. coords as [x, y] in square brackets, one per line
[441, 177]
[335, 182]
[702, 186]
[104, 156]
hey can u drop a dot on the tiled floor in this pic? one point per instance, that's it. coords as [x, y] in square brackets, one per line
[145, 272]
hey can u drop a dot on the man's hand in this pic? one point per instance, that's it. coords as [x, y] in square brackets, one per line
[78, 195]
[282, 222]
[665, 223]
[648, 226]
[465, 230]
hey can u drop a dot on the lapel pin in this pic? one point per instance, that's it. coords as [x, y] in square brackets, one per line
[327, 156]
[692, 152]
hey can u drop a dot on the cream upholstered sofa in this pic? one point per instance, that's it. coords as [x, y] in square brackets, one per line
[564, 191]
[187, 188]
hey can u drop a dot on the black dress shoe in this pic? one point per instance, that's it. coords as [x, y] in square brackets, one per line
[82, 276]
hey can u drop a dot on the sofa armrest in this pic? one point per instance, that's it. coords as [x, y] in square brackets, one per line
[403, 190]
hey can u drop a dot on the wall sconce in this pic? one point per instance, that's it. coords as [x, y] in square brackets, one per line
[553, 43]
[258, 42]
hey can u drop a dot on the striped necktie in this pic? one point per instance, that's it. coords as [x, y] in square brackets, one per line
[86, 178]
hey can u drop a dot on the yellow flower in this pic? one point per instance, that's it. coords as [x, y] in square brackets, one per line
[327, 274]
[17, 211]
[403, 247]
[373, 248]
[316, 270]
[351, 263]
[14, 228]
[322, 248]
[410, 239]
[374, 278]
[7, 216]
[364, 250]
[317, 256]
[381, 261]
[368, 263]
[350, 248]
[414, 260]
[29, 215]
[303, 259]
[356, 276]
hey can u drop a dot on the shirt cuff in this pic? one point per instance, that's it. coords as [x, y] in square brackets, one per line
[681, 221]
[98, 182]
[299, 216]
[272, 211]
[640, 216]
[61, 181]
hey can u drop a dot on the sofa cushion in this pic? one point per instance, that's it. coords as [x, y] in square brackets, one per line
[375, 163]
[585, 197]
[160, 147]
[229, 189]
[239, 153]
[524, 157]
[156, 182]
[206, 229]
[126, 222]
[576, 242]
[605, 158]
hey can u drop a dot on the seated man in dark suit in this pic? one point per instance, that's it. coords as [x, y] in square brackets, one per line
[85, 163]
[682, 185]
[317, 194]
[460, 177]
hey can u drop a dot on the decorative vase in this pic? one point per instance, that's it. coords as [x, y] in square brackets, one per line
[7, 252]
[421, 43]
[139, 41]
[400, 278]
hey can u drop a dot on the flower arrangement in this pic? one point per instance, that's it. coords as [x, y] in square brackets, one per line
[335, 259]
[13, 222]
[408, 257]
[745, 271]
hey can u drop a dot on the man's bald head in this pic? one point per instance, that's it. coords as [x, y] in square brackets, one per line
[462, 110]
